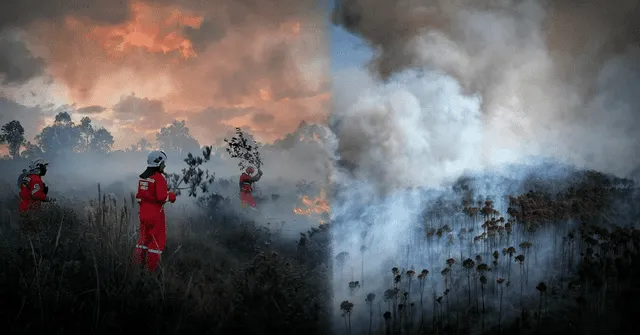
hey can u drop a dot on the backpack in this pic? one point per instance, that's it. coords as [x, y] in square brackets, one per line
[21, 180]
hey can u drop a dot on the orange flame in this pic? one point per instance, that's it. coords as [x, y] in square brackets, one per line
[317, 205]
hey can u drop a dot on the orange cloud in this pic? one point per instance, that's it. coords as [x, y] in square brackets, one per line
[196, 59]
[154, 28]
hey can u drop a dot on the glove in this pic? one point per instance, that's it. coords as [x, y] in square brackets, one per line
[45, 189]
[47, 199]
[172, 197]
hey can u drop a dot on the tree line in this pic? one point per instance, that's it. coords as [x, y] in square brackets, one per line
[64, 136]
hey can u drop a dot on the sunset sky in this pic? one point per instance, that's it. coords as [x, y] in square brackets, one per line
[135, 68]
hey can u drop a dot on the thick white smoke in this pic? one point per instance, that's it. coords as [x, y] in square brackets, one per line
[529, 108]
[394, 141]
[556, 79]
[417, 130]
[463, 90]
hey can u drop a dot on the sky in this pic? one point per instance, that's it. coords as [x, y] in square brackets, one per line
[348, 50]
[545, 78]
[135, 66]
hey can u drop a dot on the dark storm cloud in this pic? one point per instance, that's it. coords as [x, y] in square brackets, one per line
[210, 30]
[17, 64]
[17, 13]
[571, 26]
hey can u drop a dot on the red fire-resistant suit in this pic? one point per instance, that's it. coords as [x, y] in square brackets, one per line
[32, 193]
[152, 195]
[246, 182]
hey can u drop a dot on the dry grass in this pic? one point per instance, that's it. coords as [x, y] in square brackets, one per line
[72, 272]
[222, 275]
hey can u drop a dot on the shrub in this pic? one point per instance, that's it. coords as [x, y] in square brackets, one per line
[68, 275]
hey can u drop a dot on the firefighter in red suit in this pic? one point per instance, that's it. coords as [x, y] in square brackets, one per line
[246, 186]
[33, 190]
[152, 194]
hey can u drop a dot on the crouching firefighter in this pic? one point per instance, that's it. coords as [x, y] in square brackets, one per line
[152, 194]
[33, 190]
[246, 187]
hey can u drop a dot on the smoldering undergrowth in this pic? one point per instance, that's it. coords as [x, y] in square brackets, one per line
[66, 270]
[465, 267]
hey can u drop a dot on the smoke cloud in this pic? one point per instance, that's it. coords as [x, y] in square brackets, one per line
[469, 88]
[17, 65]
[194, 57]
[556, 78]
[415, 131]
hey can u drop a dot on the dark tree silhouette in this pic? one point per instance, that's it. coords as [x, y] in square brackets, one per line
[143, 145]
[102, 141]
[31, 151]
[177, 139]
[64, 136]
[94, 139]
[60, 137]
[12, 134]
[63, 117]
[193, 175]
[244, 149]
[86, 133]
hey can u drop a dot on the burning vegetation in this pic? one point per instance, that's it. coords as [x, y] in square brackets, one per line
[561, 260]
[318, 206]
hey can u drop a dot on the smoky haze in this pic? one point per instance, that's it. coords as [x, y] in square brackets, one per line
[73, 178]
[505, 91]
[135, 66]
[556, 78]
[455, 88]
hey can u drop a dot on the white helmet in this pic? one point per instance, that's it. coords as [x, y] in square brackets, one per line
[156, 158]
[38, 163]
